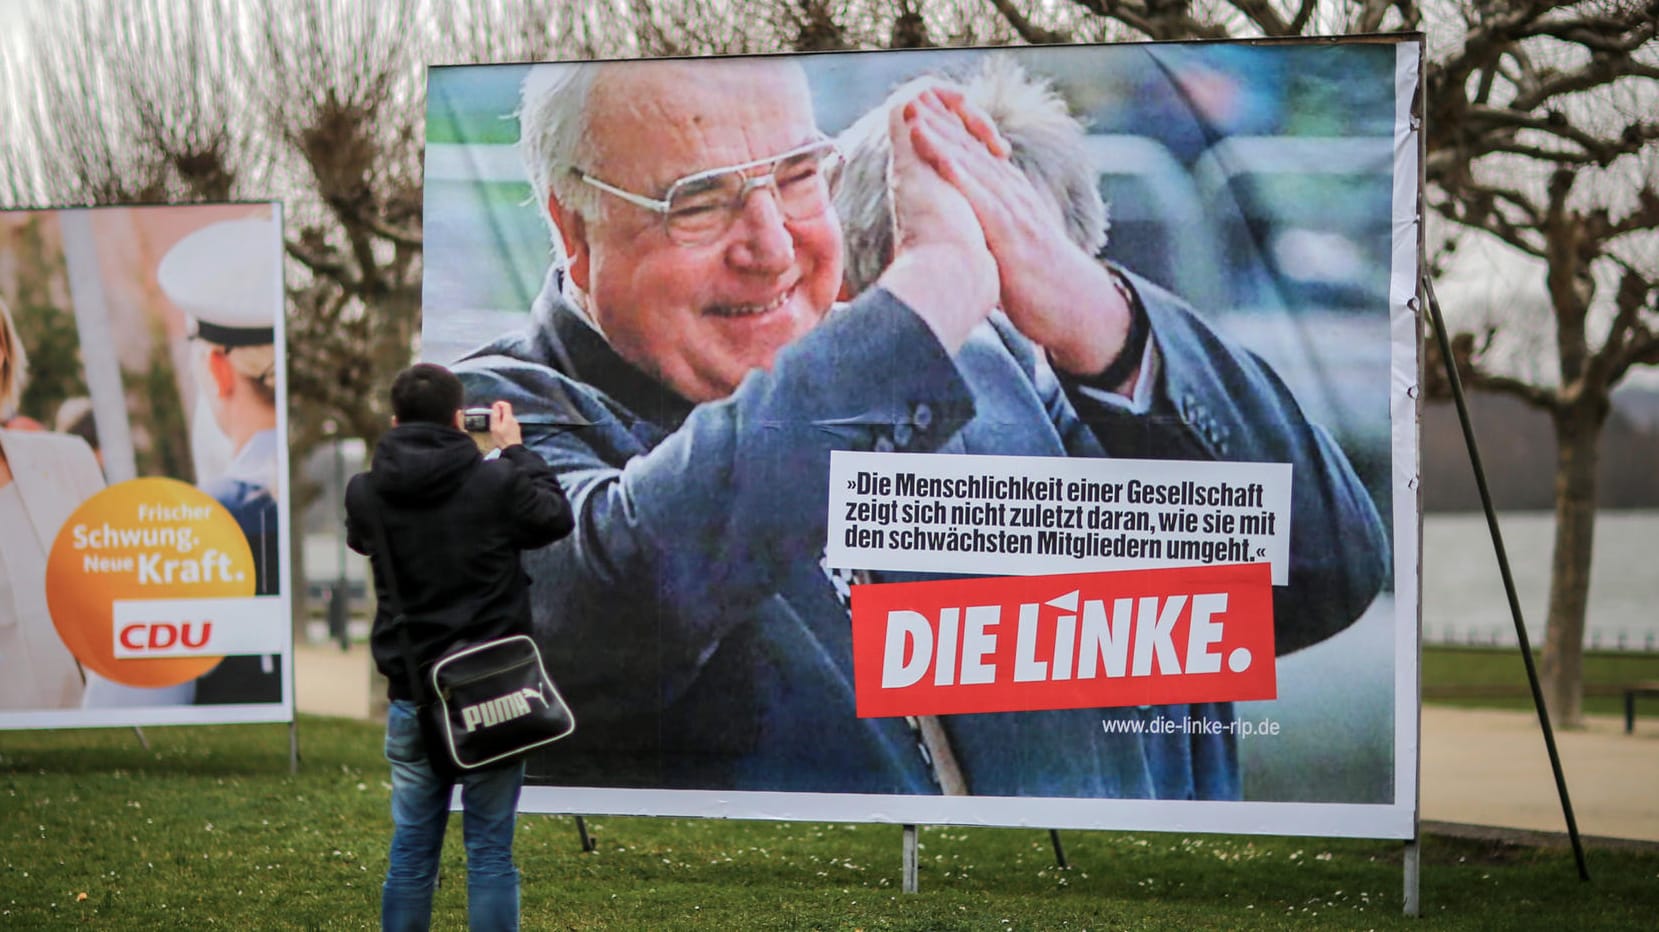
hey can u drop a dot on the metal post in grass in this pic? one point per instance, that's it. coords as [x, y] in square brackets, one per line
[1413, 864]
[1439, 324]
[910, 859]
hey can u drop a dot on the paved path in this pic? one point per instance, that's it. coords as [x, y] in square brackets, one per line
[1490, 767]
[1480, 767]
[330, 681]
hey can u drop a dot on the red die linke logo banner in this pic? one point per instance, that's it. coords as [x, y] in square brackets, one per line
[1079, 640]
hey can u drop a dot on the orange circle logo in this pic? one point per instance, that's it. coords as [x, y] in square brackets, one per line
[143, 540]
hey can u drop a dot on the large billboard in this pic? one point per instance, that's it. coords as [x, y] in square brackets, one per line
[1009, 437]
[143, 470]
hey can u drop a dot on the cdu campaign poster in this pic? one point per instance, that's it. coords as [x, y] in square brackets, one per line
[1003, 437]
[143, 470]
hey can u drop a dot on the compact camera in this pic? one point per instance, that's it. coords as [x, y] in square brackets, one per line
[476, 420]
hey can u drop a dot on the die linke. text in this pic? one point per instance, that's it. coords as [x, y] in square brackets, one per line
[1079, 640]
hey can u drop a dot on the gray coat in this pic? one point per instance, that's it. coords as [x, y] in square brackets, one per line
[699, 641]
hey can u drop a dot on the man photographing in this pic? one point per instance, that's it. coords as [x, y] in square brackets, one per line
[455, 523]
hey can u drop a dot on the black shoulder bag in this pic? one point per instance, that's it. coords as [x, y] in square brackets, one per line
[484, 703]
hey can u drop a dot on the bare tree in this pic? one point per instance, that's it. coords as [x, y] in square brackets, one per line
[1542, 133]
[343, 106]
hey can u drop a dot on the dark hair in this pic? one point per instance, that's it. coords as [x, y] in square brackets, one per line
[426, 393]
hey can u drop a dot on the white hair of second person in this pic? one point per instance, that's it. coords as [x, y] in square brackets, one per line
[1047, 144]
[553, 136]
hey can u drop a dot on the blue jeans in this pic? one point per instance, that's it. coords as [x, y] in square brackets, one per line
[420, 812]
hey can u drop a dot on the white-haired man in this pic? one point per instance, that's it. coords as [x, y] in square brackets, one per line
[687, 378]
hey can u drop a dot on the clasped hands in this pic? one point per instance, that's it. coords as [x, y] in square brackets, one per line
[973, 233]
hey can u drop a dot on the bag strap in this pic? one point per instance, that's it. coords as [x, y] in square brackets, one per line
[400, 621]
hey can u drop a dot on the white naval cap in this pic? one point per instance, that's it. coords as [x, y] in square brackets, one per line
[228, 277]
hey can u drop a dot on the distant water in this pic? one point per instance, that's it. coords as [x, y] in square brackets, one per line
[1463, 595]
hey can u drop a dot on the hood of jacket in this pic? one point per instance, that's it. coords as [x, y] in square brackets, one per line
[422, 462]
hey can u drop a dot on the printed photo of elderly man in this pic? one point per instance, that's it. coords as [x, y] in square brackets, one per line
[736, 293]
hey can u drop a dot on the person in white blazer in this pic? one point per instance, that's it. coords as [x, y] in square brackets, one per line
[43, 476]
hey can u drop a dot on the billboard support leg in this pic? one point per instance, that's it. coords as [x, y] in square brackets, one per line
[142, 741]
[1439, 325]
[1059, 849]
[582, 833]
[294, 746]
[910, 859]
[1410, 866]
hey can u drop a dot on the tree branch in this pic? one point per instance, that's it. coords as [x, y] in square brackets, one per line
[1603, 69]
[1600, 150]
[1628, 341]
[1155, 19]
[1264, 16]
[1605, 33]
[1552, 156]
[1370, 17]
[1644, 216]
[1023, 26]
[1536, 396]
[319, 264]
[371, 218]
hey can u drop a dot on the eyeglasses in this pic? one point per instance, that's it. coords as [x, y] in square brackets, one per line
[702, 206]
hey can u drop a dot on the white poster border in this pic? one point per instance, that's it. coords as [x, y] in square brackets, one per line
[1389, 820]
[279, 712]
[1337, 820]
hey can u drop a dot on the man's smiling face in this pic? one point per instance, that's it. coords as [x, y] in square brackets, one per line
[698, 318]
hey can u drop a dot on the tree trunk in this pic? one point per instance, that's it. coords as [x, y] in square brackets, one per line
[1578, 433]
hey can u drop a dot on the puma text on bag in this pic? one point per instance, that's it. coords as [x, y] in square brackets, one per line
[495, 701]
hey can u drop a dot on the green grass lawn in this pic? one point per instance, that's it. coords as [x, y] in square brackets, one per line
[1496, 677]
[208, 829]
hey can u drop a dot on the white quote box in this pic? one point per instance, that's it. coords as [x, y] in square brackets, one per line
[199, 627]
[1034, 515]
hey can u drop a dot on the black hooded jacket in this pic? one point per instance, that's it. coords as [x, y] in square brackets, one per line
[455, 524]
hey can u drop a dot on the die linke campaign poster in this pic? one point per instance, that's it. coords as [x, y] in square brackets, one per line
[1121, 534]
[143, 467]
